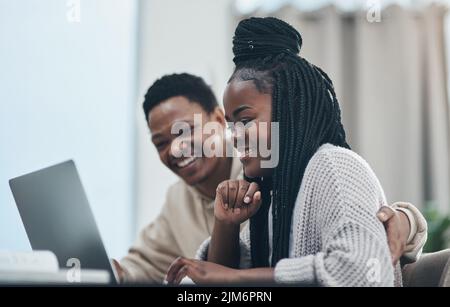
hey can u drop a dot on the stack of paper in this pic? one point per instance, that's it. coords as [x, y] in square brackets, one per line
[41, 267]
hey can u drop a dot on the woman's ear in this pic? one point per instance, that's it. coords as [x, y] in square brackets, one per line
[219, 116]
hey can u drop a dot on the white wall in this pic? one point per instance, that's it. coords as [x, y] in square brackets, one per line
[176, 36]
[67, 90]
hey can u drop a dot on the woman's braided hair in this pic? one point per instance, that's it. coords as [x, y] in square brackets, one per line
[305, 106]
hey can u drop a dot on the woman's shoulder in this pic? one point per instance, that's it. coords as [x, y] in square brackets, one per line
[342, 165]
[337, 175]
[332, 151]
[338, 158]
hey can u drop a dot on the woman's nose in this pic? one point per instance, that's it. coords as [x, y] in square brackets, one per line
[238, 137]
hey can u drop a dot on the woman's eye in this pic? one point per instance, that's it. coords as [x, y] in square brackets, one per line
[246, 121]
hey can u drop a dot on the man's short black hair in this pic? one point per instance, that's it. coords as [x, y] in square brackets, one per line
[189, 86]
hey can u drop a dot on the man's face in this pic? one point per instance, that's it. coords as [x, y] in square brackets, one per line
[173, 111]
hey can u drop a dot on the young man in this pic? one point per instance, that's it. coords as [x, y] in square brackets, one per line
[187, 217]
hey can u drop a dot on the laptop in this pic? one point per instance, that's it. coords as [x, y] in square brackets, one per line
[56, 214]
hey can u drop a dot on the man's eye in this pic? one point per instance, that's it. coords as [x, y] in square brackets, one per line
[191, 130]
[160, 146]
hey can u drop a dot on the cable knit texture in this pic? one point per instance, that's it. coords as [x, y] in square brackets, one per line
[336, 238]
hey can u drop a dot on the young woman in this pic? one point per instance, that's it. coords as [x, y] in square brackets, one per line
[313, 216]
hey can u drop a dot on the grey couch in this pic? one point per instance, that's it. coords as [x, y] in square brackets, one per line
[431, 270]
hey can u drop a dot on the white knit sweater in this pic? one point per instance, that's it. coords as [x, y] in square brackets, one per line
[336, 238]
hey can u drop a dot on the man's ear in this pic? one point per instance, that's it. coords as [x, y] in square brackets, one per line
[219, 116]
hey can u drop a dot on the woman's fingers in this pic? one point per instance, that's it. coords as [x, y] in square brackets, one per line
[252, 189]
[252, 199]
[233, 189]
[190, 269]
[178, 269]
[222, 194]
[237, 195]
[257, 198]
[173, 269]
[243, 188]
[256, 203]
[180, 275]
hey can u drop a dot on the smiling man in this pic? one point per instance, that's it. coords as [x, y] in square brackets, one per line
[187, 216]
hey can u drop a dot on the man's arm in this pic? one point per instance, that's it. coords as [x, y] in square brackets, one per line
[150, 257]
[418, 230]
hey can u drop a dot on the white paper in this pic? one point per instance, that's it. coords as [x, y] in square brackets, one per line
[36, 261]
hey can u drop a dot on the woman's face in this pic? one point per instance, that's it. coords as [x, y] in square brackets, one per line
[244, 104]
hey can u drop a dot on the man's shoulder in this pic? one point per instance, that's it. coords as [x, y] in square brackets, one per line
[177, 187]
[179, 195]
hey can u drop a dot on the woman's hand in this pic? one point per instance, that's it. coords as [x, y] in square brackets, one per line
[236, 201]
[201, 272]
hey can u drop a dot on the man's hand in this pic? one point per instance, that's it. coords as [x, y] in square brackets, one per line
[236, 201]
[397, 228]
[119, 270]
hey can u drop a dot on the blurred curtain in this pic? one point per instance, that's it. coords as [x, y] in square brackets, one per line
[391, 80]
